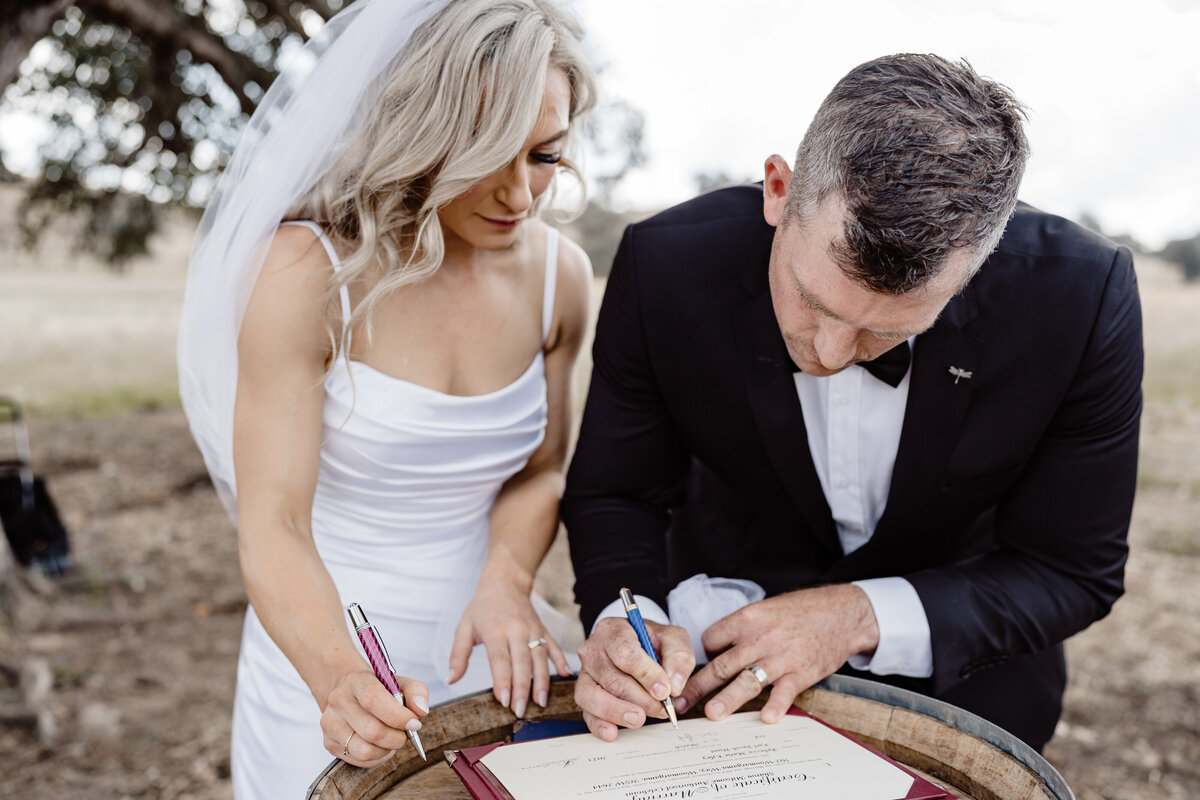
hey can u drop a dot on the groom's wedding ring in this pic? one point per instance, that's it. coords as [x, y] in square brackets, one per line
[759, 674]
[346, 746]
[538, 642]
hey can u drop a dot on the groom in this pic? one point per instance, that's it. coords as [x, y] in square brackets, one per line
[941, 519]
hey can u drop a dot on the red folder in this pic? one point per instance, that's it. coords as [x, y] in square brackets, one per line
[483, 785]
[480, 782]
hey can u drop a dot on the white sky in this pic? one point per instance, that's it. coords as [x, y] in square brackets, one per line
[1113, 88]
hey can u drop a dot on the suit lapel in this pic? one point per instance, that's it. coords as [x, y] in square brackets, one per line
[767, 371]
[937, 404]
[933, 417]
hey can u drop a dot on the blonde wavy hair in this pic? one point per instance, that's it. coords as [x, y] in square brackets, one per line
[457, 107]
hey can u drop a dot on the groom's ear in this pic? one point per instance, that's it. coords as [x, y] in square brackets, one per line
[775, 184]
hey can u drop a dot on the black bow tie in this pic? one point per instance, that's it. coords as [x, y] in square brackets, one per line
[891, 366]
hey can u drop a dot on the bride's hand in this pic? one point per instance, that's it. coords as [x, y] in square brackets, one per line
[363, 724]
[501, 616]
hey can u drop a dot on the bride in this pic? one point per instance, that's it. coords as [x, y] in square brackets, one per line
[401, 329]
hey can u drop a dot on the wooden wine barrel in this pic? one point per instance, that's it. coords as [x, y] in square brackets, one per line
[962, 752]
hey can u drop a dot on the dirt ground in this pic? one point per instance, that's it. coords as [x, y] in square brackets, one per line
[130, 660]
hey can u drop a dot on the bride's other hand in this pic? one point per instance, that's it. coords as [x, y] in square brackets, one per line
[501, 617]
[363, 724]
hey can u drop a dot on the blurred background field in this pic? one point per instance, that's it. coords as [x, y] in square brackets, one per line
[117, 681]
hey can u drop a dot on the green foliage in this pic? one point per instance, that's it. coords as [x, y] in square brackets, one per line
[1186, 253]
[111, 401]
[615, 135]
[711, 181]
[115, 225]
[138, 122]
[1089, 220]
[68, 674]
[598, 231]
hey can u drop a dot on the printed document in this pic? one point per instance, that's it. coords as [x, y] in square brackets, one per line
[741, 756]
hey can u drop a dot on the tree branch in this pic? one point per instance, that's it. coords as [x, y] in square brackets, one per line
[283, 11]
[159, 19]
[21, 30]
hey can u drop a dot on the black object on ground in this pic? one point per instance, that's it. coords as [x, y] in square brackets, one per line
[29, 517]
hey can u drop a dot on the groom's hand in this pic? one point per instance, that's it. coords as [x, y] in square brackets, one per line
[619, 685]
[796, 639]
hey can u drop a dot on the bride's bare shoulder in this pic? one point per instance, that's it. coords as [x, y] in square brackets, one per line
[296, 248]
[292, 290]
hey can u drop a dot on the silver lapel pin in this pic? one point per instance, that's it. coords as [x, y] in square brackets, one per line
[960, 374]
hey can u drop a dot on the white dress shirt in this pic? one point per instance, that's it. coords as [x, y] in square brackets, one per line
[853, 422]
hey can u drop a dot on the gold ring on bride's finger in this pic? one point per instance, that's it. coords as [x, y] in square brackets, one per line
[536, 643]
[346, 746]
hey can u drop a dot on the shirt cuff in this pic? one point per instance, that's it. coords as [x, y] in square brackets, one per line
[651, 611]
[904, 647]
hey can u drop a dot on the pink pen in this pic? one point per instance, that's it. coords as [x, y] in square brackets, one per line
[377, 654]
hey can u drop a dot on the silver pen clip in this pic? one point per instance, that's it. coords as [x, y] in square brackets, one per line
[358, 619]
[386, 657]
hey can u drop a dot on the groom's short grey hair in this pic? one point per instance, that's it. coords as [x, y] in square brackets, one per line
[927, 157]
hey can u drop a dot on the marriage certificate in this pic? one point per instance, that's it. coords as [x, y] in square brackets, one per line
[796, 758]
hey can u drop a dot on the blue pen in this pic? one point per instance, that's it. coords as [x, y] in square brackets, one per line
[639, 627]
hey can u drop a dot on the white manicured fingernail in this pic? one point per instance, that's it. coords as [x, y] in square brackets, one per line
[519, 708]
[541, 698]
[422, 704]
[504, 698]
[412, 725]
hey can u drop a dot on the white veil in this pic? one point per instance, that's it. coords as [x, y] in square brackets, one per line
[311, 111]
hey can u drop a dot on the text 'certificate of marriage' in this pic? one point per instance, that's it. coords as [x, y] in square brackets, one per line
[741, 756]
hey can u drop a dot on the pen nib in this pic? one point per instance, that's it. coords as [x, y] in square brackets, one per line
[667, 704]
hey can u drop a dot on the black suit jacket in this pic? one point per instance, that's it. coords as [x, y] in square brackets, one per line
[1012, 489]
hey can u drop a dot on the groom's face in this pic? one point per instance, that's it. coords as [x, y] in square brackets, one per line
[828, 320]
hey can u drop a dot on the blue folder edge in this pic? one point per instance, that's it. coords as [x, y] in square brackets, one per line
[527, 730]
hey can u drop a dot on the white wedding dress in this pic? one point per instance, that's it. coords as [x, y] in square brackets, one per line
[407, 480]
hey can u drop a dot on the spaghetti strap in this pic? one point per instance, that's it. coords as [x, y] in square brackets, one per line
[549, 282]
[344, 293]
